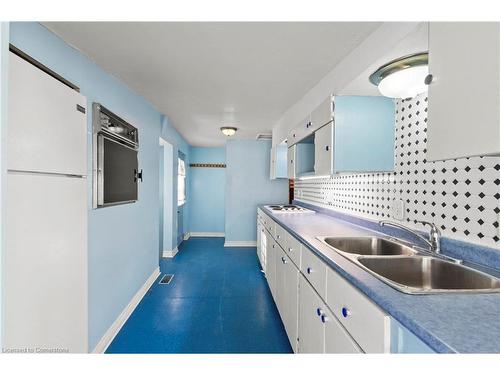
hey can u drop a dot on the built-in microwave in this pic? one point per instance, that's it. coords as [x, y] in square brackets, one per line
[115, 163]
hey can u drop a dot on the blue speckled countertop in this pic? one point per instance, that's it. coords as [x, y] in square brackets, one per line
[447, 323]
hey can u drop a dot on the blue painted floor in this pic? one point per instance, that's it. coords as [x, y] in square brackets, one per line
[217, 302]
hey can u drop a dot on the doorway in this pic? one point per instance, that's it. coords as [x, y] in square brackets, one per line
[166, 156]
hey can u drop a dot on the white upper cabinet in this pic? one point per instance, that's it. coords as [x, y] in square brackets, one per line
[322, 115]
[323, 150]
[464, 96]
[291, 161]
[278, 167]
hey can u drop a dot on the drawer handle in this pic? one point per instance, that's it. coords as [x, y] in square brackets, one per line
[345, 312]
[319, 311]
[309, 270]
[324, 318]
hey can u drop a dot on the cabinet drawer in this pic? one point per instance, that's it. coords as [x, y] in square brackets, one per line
[337, 340]
[293, 249]
[269, 225]
[281, 236]
[314, 270]
[366, 322]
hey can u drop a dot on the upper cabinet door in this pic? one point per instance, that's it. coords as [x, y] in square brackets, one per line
[323, 152]
[464, 96]
[322, 114]
[291, 161]
[364, 134]
[46, 132]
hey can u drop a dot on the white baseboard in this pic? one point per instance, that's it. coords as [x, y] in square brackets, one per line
[186, 236]
[112, 331]
[170, 253]
[206, 234]
[240, 243]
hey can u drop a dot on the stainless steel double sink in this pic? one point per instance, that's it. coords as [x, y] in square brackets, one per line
[409, 269]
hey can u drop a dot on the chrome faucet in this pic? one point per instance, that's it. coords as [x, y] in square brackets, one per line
[434, 241]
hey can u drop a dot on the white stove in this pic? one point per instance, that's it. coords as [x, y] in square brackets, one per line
[288, 209]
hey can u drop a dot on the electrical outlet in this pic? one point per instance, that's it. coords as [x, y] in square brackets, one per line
[398, 207]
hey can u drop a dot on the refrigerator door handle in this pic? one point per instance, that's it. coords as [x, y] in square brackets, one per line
[137, 175]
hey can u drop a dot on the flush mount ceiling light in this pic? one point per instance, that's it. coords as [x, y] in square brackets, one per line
[228, 130]
[405, 77]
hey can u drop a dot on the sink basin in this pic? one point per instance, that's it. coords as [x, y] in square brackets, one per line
[423, 275]
[367, 246]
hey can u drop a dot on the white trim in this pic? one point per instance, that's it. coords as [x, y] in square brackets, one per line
[206, 234]
[240, 243]
[186, 236]
[170, 253]
[113, 330]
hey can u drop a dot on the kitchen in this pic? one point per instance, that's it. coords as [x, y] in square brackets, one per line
[351, 208]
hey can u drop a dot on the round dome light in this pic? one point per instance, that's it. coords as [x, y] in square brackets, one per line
[228, 130]
[402, 78]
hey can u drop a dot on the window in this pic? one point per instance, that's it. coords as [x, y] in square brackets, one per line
[181, 182]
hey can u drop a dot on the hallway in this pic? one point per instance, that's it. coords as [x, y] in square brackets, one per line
[217, 302]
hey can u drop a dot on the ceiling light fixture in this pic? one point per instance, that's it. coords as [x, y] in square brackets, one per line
[228, 130]
[404, 77]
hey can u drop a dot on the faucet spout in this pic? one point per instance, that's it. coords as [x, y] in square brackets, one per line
[434, 241]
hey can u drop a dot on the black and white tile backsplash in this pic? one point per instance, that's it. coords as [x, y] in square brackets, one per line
[462, 196]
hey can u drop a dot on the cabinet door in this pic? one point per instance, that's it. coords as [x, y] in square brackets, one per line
[280, 298]
[337, 340]
[271, 263]
[463, 113]
[322, 114]
[323, 152]
[291, 303]
[291, 161]
[311, 328]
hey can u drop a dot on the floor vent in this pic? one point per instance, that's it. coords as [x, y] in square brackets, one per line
[166, 279]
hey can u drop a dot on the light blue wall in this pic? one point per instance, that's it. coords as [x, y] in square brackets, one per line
[123, 240]
[4, 53]
[247, 186]
[364, 134]
[207, 190]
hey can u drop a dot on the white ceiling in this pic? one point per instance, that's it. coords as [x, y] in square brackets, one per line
[206, 75]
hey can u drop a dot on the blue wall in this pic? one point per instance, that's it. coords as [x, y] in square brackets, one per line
[207, 189]
[122, 255]
[247, 186]
[364, 133]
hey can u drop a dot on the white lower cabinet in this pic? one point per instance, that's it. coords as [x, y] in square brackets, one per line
[337, 340]
[287, 284]
[311, 327]
[321, 311]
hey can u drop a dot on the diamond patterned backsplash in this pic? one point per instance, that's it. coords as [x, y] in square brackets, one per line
[461, 196]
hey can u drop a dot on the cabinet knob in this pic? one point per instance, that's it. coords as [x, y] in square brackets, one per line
[428, 79]
[327, 148]
[319, 311]
[278, 236]
[324, 318]
[283, 260]
[345, 312]
[290, 249]
[309, 270]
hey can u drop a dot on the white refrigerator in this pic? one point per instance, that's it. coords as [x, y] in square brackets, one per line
[45, 253]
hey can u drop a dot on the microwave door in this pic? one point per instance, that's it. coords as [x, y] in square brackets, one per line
[119, 168]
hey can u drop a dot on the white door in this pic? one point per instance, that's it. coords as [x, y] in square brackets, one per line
[271, 263]
[337, 340]
[46, 132]
[291, 297]
[281, 263]
[311, 328]
[291, 162]
[45, 262]
[464, 96]
[323, 151]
